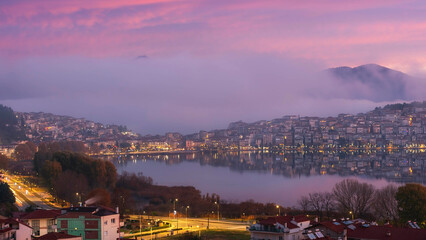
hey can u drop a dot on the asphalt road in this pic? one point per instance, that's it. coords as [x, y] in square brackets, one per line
[190, 225]
[25, 195]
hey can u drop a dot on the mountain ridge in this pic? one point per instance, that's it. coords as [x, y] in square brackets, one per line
[372, 82]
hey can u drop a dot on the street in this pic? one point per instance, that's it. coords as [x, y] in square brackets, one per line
[26, 196]
[189, 225]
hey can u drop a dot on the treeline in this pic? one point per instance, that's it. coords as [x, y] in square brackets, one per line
[71, 175]
[138, 193]
[10, 130]
[351, 198]
[7, 199]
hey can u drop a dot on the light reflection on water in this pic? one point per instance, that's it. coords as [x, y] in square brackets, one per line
[273, 178]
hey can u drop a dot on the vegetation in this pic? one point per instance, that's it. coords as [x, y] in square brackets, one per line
[10, 130]
[25, 151]
[137, 193]
[351, 198]
[72, 176]
[7, 199]
[412, 203]
[4, 161]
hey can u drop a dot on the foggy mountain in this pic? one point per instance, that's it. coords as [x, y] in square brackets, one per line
[372, 82]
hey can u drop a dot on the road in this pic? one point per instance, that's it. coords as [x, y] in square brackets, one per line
[26, 196]
[191, 225]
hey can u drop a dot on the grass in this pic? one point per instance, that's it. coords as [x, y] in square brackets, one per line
[217, 235]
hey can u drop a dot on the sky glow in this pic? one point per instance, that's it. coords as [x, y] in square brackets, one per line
[206, 63]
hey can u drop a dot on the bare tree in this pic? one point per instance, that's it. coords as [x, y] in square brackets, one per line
[353, 196]
[304, 203]
[385, 205]
[316, 203]
[328, 203]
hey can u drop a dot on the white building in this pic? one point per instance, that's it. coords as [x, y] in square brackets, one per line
[280, 228]
[13, 230]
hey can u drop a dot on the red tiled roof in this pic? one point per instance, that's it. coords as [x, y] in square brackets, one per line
[41, 214]
[78, 214]
[333, 227]
[13, 221]
[283, 220]
[56, 236]
[4, 230]
[387, 233]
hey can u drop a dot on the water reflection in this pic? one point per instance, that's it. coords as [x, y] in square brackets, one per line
[398, 167]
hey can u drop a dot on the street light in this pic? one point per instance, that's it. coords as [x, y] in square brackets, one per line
[217, 203]
[350, 212]
[279, 210]
[151, 229]
[174, 204]
[186, 216]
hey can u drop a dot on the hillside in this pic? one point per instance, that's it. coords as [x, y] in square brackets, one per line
[372, 82]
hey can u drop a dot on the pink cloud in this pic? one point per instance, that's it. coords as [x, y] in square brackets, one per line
[328, 30]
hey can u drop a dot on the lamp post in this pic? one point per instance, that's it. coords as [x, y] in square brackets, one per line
[186, 216]
[199, 231]
[217, 203]
[174, 204]
[279, 210]
[151, 229]
[350, 212]
[140, 224]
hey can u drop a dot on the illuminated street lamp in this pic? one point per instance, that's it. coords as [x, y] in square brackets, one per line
[151, 229]
[217, 203]
[279, 210]
[187, 207]
[350, 212]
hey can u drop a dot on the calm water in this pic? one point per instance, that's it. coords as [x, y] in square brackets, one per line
[274, 178]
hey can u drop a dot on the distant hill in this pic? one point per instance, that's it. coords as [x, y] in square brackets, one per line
[372, 82]
[10, 130]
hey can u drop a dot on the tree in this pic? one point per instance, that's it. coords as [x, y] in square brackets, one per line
[328, 203]
[99, 196]
[304, 203]
[6, 195]
[51, 171]
[316, 203]
[10, 130]
[4, 161]
[71, 186]
[25, 151]
[385, 205]
[411, 200]
[353, 196]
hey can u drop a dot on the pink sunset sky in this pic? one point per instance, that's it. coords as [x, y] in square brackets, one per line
[205, 63]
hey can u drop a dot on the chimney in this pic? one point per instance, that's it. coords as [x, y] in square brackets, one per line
[116, 210]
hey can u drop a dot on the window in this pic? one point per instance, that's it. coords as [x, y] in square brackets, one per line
[36, 227]
[113, 220]
[50, 224]
[106, 233]
[106, 222]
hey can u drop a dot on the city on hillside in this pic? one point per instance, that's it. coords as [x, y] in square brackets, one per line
[400, 125]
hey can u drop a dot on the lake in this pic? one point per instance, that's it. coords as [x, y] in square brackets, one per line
[277, 178]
